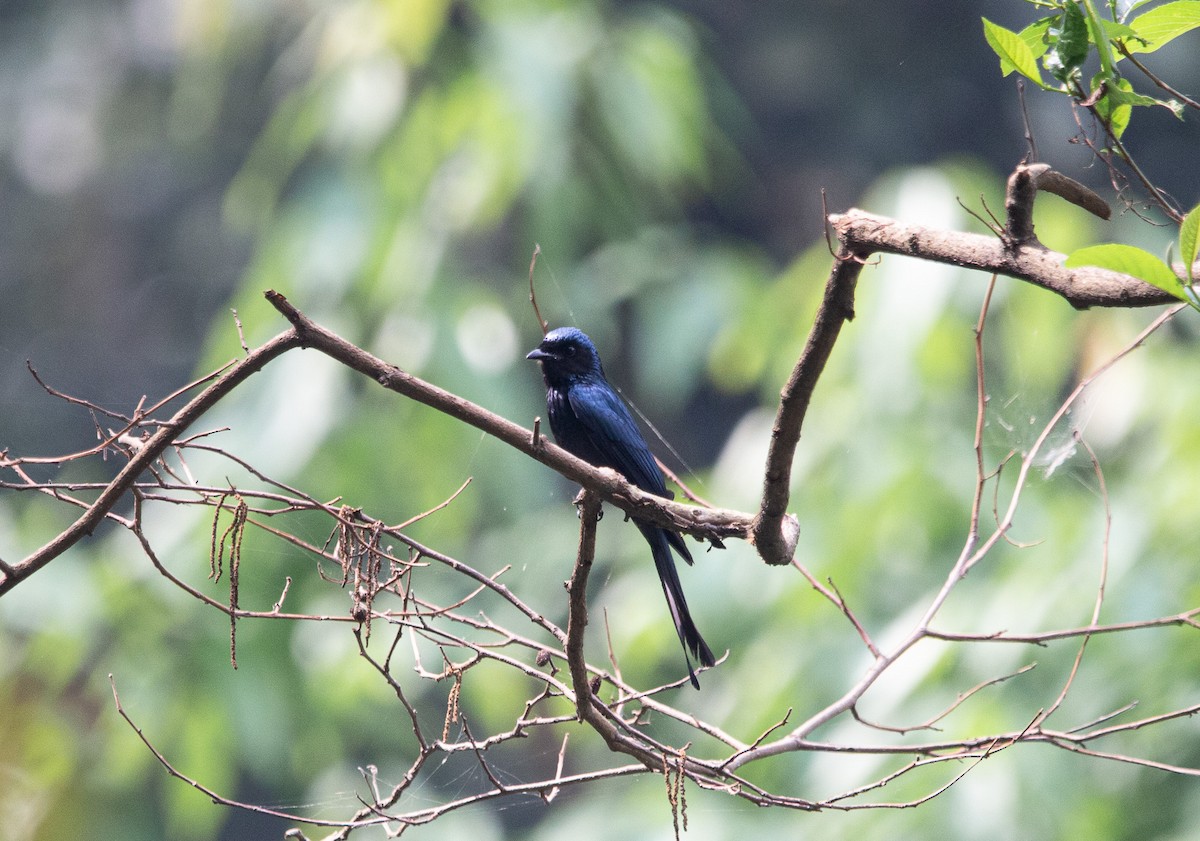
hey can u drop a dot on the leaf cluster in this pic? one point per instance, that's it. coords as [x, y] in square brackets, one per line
[1063, 41]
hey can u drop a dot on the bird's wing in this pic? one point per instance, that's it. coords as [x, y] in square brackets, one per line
[614, 434]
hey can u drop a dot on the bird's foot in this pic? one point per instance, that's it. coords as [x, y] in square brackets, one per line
[578, 503]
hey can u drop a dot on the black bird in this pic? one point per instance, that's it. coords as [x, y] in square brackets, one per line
[590, 421]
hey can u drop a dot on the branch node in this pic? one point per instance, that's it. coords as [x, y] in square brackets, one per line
[1023, 185]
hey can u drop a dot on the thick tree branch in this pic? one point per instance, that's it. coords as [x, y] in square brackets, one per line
[1013, 251]
[775, 534]
[865, 233]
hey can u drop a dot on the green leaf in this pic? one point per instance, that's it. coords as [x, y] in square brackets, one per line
[1189, 239]
[1116, 31]
[1098, 37]
[1130, 260]
[1014, 53]
[1123, 94]
[1121, 35]
[1034, 35]
[1119, 97]
[1163, 24]
[1112, 108]
[1070, 42]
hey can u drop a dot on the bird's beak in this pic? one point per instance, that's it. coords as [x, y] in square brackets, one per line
[538, 353]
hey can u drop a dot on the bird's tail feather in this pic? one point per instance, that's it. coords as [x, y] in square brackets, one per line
[693, 644]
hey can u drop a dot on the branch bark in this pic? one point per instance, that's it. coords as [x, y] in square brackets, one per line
[865, 233]
[775, 534]
[1013, 251]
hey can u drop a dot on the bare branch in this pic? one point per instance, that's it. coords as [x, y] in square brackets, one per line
[152, 449]
[775, 534]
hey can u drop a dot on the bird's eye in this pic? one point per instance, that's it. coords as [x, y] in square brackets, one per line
[570, 350]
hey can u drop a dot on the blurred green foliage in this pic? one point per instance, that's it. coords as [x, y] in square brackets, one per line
[409, 156]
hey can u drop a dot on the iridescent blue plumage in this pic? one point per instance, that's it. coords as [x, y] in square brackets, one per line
[589, 420]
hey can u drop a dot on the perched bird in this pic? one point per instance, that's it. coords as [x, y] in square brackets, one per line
[590, 421]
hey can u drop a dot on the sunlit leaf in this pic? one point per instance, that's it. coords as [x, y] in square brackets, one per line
[1034, 35]
[1130, 260]
[1115, 31]
[1013, 51]
[1163, 24]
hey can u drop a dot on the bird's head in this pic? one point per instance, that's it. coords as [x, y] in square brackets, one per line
[566, 353]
